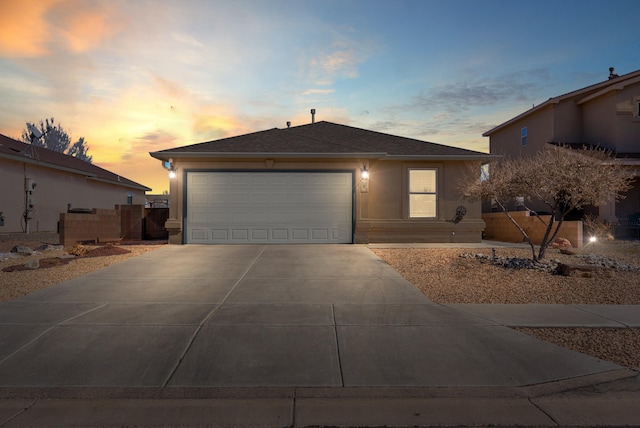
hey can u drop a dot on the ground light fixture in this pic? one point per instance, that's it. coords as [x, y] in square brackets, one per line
[592, 239]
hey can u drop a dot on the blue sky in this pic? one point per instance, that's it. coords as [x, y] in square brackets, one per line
[138, 76]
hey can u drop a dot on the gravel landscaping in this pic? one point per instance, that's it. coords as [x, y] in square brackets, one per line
[477, 276]
[55, 265]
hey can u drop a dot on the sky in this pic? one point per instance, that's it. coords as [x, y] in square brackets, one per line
[138, 76]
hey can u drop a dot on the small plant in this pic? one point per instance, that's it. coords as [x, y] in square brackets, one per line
[78, 250]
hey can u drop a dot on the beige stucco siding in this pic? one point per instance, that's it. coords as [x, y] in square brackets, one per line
[540, 125]
[600, 122]
[381, 213]
[54, 190]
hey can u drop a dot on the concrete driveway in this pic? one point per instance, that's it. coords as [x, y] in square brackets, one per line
[262, 316]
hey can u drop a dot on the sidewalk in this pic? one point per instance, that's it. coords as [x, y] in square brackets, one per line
[609, 399]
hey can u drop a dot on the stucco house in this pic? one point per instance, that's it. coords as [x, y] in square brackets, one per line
[605, 115]
[38, 184]
[319, 183]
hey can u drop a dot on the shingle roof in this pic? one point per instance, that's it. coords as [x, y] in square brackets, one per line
[16, 150]
[321, 139]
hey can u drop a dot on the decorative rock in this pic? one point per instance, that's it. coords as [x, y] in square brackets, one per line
[561, 243]
[32, 264]
[7, 256]
[49, 247]
[21, 249]
[584, 271]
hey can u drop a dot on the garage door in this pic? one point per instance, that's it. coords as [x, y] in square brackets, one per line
[269, 207]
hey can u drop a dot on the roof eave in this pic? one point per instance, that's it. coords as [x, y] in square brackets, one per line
[244, 155]
[86, 174]
[119, 183]
[466, 157]
[521, 116]
[32, 161]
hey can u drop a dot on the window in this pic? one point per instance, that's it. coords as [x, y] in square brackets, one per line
[524, 136]
[423, 193]
[637, 109]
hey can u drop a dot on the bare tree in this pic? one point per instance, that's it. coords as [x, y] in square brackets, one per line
[561, 178]
[52, 136]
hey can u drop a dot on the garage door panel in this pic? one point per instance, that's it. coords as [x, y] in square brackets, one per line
[239, 207]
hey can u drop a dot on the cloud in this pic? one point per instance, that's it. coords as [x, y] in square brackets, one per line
[318, 91]
[35, 28]
[339, 59]
[87, 25]
[464, 94]
[24, 29]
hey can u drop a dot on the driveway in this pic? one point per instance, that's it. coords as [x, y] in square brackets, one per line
[262, 316]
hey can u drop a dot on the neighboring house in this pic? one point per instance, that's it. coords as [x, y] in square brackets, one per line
[38, 184]
[319, 183]
[605, 115]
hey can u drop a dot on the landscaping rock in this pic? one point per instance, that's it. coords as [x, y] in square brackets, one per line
[21, 249]
[32, 264]
[49, 247]
[584, 271]
[7, 256]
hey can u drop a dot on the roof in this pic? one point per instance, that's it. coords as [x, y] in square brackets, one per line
[322, 140]
[580, 96]
[22, 152]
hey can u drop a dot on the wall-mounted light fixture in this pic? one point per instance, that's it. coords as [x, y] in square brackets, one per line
[364, 179]
[169, 166]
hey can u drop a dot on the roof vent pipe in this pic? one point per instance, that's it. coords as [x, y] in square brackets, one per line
[288, 124]
[313, 115]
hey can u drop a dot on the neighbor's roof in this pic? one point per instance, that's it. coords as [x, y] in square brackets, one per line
[321, 140]
[579, 96]
[22, 152]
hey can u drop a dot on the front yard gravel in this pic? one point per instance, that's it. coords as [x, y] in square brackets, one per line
[471, 276]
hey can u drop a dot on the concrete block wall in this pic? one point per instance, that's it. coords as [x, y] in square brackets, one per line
[102, 225]
[131, 221]
[500, 228]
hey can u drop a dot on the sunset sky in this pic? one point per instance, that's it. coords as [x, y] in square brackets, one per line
[135, 76]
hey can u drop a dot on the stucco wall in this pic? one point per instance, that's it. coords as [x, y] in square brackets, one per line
[54, 191]
[540, 127]
[381, 214]
[600, 121]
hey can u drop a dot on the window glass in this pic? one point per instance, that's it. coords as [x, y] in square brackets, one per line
[524, 136]
[422, 193]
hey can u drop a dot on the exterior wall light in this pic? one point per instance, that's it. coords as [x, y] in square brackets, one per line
[172, 174]
[364, 180]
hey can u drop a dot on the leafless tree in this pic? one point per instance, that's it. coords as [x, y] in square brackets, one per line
[54, 137]
[563, 179]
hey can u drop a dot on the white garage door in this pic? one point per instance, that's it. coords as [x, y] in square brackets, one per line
[269, 207]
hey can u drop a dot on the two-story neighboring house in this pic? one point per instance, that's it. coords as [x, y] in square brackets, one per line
[606, 115]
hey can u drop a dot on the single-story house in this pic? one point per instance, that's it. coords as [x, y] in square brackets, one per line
[319, 183]
[38, 184]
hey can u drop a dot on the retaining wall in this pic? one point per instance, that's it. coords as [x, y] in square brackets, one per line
[500, 228]
[125, 222]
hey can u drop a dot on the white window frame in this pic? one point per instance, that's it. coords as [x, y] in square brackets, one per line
[434, 192]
